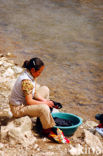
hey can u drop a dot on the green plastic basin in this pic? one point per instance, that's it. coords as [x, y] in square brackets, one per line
[76, 122]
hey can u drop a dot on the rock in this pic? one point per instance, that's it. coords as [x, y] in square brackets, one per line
[1, 146]
[18, 131]
[6, 113]
[17, 69]
[44, 139]
[1, 63]
[46, 154]
[9, 54]
[1, 153]
[76, 150]
[7, 64]
[91, 124]
[93, 142]
[9, 72]
[10, 84]
[38, 149]
[50, 147]
[36, 146]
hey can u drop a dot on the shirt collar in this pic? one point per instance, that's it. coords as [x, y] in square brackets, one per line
[29, 75]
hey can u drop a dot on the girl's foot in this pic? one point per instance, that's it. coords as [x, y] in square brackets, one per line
[59, 137]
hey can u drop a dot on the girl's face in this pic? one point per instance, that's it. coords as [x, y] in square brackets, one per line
[36, 73]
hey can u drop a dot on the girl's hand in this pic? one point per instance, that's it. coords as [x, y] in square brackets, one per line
[50, 103]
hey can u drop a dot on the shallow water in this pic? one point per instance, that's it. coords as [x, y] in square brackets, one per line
[68, 35]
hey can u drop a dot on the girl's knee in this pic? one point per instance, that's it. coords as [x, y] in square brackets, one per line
[45, 89]
[43, 92]
[44, 108]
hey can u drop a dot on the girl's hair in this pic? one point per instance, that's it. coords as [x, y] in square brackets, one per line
[35, 63]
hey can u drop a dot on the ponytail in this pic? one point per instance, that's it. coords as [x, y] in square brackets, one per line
[26, 64]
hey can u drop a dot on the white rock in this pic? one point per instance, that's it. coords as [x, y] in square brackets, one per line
[50, 147]
[38, 149]
[36, 146]
[9, 72]
[48, 154]
[93, 142]
[1, 145]
[24, 123]
[3, 59]
[7, 64]
[2, 153]
[91, 124]
[6, 113]
[76, 150]
[10, 83]
[44, 139]
[9, 54]
[17, 69]
[19, 131]
[1, 63]
[11, 61]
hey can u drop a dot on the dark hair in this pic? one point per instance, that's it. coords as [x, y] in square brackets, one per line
[35, 63]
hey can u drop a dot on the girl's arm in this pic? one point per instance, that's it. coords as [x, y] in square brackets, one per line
[39, 98]
[27, 88]
[31, 101]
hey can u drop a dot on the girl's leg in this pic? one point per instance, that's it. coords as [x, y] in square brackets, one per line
[42, 111]
[43, 92]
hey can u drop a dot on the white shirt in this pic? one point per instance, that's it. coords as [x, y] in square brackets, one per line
[17, 97]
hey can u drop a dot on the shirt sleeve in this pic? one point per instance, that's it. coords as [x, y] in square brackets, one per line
[27, 87]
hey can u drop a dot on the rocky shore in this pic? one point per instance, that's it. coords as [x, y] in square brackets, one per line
[18, 136]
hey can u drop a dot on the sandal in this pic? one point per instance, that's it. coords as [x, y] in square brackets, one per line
[59, 137]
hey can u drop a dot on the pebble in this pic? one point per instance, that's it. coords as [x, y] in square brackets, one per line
[36, 146]
[1, 145]
[44, 139]
[38, 149]
[50, 147]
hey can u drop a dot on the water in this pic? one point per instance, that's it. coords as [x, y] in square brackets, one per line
[68, 35]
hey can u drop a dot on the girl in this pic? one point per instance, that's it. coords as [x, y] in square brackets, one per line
[26, 100]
